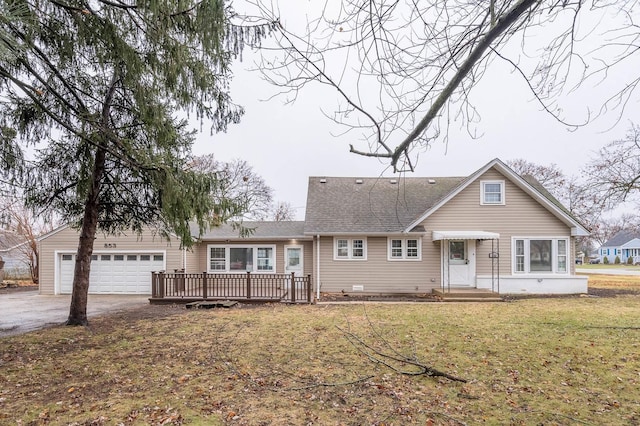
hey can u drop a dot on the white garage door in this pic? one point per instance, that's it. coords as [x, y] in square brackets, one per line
[114, 273]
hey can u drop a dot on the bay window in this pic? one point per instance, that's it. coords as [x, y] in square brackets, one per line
[540, 255]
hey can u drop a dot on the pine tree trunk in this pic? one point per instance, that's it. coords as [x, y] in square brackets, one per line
[78, 308]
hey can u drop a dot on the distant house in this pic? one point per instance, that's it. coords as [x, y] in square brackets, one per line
[12, 253]
[405, 235]
[624, 244]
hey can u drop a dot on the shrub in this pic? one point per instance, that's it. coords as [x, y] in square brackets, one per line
[617, 260]
[630, 260]
[605, 260]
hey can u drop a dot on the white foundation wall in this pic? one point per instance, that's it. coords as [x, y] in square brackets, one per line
[542, 284]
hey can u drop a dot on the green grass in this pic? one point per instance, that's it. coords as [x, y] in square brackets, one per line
[536, 361]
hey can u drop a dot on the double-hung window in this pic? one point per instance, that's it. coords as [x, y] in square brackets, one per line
[540, 255]
[492, 192]
[350, 249]
[403, 249]
[241, 258]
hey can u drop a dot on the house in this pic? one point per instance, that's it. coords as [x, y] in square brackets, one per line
[12, 254]
[490, 230]
[271, 247]
[624, 245]
[123, 264]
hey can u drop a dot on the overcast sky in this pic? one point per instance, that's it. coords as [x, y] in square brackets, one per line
[287, 143]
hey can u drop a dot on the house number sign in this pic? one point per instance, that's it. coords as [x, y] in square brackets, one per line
[109, 245]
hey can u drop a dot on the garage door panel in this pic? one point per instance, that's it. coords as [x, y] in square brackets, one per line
[114, 273]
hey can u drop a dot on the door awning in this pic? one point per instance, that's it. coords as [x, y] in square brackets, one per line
[464, 235]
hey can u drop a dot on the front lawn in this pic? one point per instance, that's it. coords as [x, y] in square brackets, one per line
[624, 266]
[535, 361]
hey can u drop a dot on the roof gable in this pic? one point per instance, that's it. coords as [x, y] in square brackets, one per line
[621, 238]
[635, 243]
[540, 195]
[52, 232]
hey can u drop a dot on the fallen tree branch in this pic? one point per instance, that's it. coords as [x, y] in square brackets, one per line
[386, 359]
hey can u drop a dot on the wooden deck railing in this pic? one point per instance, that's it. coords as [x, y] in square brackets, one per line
[181, 287]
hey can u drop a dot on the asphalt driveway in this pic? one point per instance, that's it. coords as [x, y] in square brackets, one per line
[24, 311]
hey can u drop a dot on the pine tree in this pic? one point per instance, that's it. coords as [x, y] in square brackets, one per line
[96, 88]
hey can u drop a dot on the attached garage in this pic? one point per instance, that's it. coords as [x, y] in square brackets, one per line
[113, 273]
[120, 264]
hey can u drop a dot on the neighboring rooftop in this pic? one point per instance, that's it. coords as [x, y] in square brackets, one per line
[621, 238]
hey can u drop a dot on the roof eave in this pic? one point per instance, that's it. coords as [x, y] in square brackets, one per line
[206, 238]
[365, 234]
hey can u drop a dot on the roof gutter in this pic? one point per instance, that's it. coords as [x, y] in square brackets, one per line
[368, 234]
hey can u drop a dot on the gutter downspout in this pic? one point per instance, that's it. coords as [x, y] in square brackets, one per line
[184, 260]
[318, 268]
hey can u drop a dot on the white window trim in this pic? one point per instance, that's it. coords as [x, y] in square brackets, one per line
[404, 257]
[502, 192]
[554, 256]
[227, 260]
[349, 256]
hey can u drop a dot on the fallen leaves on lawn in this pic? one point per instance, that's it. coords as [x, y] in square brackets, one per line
[548, 361]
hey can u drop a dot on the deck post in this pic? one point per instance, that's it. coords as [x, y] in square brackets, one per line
[204, 285]
[154, 290]
[308, 288]
[161, 284]
[248, 285]
[293, 287]
[178, 280]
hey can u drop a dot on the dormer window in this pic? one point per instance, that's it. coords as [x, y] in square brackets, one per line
[492, 192]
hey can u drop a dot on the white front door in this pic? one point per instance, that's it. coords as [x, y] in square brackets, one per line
[460, 263]
[294, 260]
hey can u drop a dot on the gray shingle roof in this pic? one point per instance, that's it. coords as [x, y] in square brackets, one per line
[261, 230]
[621, 238]
[545, 193]
[371, 205]
[9, 240]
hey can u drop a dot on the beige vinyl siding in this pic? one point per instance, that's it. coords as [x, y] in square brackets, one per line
[377, 274]
[307, 248]
[66, 240]
[192, 257]
[309, 258]
[521, 216]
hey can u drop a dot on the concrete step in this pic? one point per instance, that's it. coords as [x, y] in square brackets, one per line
[467, 295]
[472, 299]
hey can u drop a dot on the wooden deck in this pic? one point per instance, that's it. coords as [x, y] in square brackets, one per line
[467, 295]
[180, 287]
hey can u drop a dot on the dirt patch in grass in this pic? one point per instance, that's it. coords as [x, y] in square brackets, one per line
[613, 285]
[537, 361]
